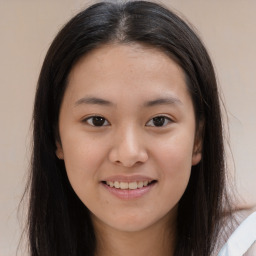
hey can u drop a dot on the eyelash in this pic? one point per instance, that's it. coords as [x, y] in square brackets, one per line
[166, 119]
[89, 120]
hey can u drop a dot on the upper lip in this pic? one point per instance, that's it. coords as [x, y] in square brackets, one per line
[126, 178]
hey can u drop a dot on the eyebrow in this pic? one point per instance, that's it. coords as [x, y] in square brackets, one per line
[163, 101]
[99, 101]
[93, 101]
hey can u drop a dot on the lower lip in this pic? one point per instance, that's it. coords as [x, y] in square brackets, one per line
[129, 193]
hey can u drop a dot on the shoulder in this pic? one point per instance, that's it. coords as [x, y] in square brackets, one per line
[239, 233]
[251, 251]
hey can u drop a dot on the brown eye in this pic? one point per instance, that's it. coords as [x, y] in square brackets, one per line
[97, 121]
[159, 121]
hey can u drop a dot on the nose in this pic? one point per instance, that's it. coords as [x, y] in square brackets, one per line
[128, 148]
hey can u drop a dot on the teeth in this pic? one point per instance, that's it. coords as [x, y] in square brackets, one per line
[110, 183]
[116, 184]
[140, 184]
[133, 185]
[128, 185]
[124, 185]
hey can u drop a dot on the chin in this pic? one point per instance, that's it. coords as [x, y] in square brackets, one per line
[131, 226]
[133, 222]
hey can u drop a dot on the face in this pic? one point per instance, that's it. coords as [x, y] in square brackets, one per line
[127, 130]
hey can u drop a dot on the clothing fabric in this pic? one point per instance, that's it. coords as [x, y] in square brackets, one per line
[242, 242]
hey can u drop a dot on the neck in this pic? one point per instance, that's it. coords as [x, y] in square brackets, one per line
[158, 239]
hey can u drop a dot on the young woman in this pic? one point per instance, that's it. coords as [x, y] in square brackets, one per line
[128, 154]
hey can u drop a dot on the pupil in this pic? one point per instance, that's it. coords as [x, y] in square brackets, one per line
[158, 121]
[98, 121]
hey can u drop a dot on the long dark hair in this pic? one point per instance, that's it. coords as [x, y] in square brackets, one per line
[58, 222]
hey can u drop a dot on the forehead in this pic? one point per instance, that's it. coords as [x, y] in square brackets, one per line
[120, 69]
[133, 54]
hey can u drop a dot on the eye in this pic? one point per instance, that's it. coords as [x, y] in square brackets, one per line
[96, 121]
[159, 121]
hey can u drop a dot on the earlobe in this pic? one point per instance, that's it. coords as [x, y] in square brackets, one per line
[197, 151]
[196, 158]
[59, 151]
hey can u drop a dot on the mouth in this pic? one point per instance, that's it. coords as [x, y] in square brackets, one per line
[122, 185]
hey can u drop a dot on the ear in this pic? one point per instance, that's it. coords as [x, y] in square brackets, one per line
[59, 151]
[197, 150]
[197, 156]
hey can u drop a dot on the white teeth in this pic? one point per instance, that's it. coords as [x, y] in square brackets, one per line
[124, 185]
[140, 184]
[116, 184]
[128, 185]
[133, 185]
[110, 183]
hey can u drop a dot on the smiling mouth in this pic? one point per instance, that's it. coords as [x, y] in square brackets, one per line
[129, 185]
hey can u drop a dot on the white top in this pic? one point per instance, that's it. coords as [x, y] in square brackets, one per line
[242, 241]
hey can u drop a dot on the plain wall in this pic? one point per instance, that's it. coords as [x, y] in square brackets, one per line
[27, 28]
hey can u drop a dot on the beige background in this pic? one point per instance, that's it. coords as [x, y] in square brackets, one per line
[228, 28]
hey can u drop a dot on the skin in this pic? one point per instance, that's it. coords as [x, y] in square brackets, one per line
[129, 143]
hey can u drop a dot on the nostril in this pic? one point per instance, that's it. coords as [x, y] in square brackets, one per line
[127, 164]
[127, 155]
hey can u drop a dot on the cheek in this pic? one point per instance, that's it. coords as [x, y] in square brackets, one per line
[175, 154]
[175, 168]
[81, 151]
[174, 165]
[83, 158]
